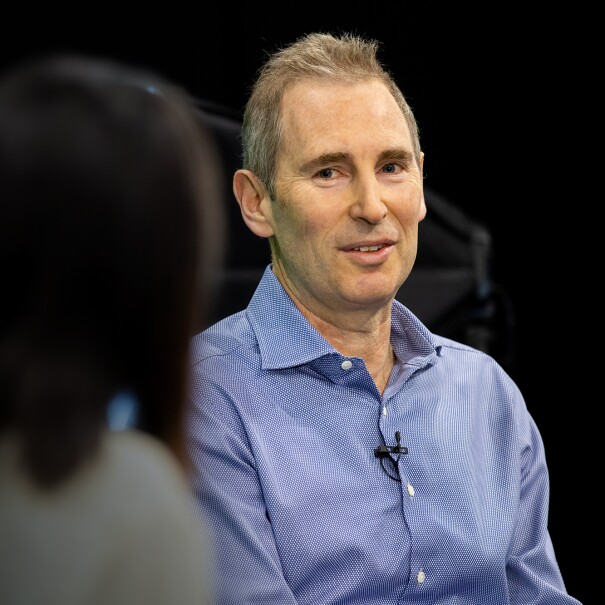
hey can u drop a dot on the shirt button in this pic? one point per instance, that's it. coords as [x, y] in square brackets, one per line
[421, 577]
[411, 492]
[346, 364]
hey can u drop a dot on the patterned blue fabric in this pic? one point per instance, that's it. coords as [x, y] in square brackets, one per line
[282, 430]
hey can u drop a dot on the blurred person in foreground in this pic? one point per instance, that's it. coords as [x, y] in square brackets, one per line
[107, 233]
[344, 453]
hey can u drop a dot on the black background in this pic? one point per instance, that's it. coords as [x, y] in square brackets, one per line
[501, 95]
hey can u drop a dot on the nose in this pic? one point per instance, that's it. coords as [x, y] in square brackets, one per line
[367, 200]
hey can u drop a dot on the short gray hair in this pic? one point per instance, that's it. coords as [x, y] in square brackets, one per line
[346, 58]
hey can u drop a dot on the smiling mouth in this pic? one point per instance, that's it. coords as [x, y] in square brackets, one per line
[368, 248]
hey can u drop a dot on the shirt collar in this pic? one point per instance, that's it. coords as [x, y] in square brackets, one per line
[286, 339]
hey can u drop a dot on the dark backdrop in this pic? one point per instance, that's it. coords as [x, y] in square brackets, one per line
[501, 103]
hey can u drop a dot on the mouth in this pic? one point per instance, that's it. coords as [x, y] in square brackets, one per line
[368, 248]
[369, 254]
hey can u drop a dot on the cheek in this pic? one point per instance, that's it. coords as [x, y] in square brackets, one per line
[299, 221]
[290, 229]
[411, 209]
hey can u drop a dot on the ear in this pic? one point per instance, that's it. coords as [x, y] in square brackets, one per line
[253, 201]
[422, 210]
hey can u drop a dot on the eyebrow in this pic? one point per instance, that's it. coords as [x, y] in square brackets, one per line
[326, 158]
[396, 153]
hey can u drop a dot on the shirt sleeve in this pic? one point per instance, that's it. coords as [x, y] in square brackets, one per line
[230, 499]
[532, 570]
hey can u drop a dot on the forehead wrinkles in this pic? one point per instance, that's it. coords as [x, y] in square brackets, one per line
[325, 118]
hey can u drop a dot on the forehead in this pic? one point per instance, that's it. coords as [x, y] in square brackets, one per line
[320, 113]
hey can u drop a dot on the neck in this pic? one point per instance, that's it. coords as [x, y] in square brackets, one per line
[369, 339]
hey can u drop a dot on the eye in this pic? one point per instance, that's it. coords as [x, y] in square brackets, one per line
[391, 168]
[326, 173]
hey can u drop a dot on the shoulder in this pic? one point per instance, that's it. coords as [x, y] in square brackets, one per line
[463, 368]
[127, 514]
[224, 352]
[154, 518]
[227, 336]
[144, 466]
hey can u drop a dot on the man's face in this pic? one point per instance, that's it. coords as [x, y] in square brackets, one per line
[349, 198]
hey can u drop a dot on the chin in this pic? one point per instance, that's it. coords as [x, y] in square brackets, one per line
[370, 295]
[376, 286]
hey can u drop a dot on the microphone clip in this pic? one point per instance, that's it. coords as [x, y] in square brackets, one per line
[384, 450]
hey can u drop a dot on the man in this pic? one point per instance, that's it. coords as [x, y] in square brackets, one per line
[343, 453]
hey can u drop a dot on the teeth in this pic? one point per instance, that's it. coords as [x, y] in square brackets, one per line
[368, 248]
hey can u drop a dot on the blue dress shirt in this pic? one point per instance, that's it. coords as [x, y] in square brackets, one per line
[283, 430]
